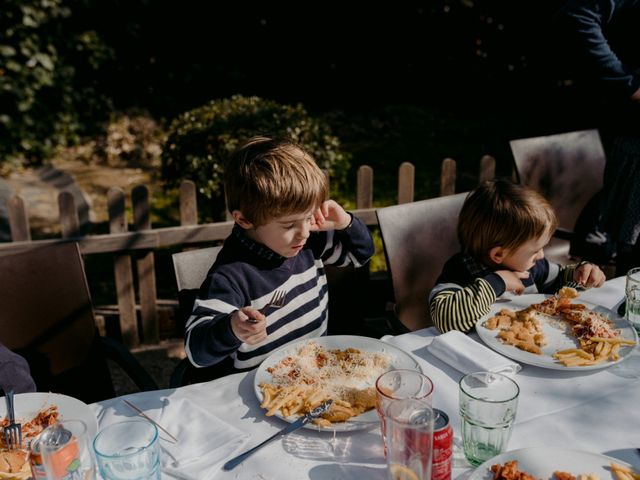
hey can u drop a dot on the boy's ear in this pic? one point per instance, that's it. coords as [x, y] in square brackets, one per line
[497, 254]
[240, 219]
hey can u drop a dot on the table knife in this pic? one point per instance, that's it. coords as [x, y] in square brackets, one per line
[299, 423]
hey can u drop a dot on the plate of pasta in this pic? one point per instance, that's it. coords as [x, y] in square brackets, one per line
[546, 463]
[558, 332]
[301, 375]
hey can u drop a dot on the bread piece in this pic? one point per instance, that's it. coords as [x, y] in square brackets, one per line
[14, 465]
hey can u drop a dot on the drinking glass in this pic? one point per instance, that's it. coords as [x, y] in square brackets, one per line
[409, 434]
[396, 385]
[632, 294]
[488, 403]
[128, 450]
[65, 452]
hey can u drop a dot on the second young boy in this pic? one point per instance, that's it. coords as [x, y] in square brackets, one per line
[503, 229]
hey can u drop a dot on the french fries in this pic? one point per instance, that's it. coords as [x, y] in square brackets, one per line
[601, 349]
[298, 400]
[588, 476]
[624, 473]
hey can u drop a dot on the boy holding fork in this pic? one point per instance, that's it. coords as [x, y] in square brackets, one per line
[285, 231]
[503, 228]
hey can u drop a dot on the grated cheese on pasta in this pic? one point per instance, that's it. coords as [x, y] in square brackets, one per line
[334, 371]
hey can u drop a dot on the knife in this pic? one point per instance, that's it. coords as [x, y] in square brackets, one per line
[299, 423]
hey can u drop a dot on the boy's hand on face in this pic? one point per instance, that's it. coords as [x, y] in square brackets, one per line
[246, 331]
[589, 275]
[330, 216]
[513, 280]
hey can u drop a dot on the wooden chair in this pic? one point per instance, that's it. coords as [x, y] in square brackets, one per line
[47, 316]
[191, 268]
[567, 169]
[418, 239]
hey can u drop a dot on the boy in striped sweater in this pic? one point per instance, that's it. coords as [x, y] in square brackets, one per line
[285, 231]
[503, 228]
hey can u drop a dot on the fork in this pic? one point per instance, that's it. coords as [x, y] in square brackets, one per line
[576, 285]
[277, 301]
[13, 431]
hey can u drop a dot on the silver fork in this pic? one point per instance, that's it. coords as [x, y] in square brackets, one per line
[277, 301]
[13, 431]
[576, 285]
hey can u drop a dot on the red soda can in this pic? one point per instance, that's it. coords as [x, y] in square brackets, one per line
[442, 446]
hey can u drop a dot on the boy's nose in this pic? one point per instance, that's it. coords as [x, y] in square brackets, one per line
[304, 233]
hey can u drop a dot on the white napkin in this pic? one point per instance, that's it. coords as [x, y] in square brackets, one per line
[466, 355]
[205, 441]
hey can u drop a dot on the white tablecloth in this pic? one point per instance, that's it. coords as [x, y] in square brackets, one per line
[596, 411]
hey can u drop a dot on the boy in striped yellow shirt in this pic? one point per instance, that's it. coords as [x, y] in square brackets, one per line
[503, 229]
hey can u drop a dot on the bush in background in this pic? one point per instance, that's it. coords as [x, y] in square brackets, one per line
[131, 140]
[201, 140]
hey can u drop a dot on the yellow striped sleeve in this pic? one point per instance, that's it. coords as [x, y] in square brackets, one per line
[460, 309]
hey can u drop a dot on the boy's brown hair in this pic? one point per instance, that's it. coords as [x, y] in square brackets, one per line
[502, 213]
[267, 178]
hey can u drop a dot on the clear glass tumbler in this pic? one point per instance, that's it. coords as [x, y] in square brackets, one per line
[65, 452]
[409, 436]
[632, 296]
[488, 404]
[128, 450]
[401, 384]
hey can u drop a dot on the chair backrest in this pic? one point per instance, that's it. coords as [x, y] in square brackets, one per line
[418, 239]
[44, 299]
[191, 267]
[566, 168]
[47, 316]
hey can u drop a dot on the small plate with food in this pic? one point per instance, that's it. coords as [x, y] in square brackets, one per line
[344, 368]
[35, 411]
[557, 331]
[551, 463]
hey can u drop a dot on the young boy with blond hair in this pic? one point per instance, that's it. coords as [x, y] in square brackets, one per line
[503, 228]
[286, 230]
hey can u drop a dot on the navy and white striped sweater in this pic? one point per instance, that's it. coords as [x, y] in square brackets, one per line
[247, 273]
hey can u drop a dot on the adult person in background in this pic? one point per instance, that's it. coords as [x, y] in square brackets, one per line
[14, 372]
[602, 38]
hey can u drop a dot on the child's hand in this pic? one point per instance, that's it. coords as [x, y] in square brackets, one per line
[330, 216]
[512, 280]
[589, 275]
[249, 332]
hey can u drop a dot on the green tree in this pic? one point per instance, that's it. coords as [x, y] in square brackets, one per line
[49, 69]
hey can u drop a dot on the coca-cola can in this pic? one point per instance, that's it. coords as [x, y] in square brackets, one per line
[442, 446]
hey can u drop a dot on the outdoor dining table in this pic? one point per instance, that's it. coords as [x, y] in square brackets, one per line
[595, 411]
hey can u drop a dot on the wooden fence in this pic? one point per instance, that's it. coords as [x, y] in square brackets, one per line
[139, 244]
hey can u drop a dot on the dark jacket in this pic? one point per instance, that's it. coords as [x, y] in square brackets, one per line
[601, 39]
[14, 372]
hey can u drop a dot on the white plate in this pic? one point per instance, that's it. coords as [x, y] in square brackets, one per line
[541, 462]
[557, 337]
[399, 360]
[27, 405]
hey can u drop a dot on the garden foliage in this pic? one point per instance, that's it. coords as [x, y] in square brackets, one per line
[201, 141]
[49, 68]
